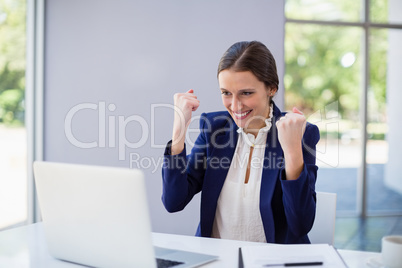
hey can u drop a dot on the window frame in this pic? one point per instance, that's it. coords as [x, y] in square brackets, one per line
[366, 25]
[34, 97]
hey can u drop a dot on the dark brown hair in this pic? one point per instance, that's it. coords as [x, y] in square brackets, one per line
[251, 56]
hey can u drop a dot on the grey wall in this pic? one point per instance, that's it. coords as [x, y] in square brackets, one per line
[130, 55]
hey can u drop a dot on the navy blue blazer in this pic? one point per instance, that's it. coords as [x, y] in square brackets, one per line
[287, 207]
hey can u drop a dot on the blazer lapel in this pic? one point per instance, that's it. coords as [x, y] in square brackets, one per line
[224, 145]
[218, 162]
[273, 163]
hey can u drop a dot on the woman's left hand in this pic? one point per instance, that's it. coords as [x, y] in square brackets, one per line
[291, 129]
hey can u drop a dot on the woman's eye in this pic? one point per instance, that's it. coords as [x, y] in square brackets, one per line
[225, 93]
[247, 93]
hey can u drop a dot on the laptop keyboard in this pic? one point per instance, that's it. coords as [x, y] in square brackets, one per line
[161, 263]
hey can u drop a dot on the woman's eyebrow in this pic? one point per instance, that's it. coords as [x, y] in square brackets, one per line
[241, 90]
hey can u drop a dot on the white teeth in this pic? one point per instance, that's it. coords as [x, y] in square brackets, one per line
[241, 115]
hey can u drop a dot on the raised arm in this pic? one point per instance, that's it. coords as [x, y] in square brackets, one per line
[300, 173]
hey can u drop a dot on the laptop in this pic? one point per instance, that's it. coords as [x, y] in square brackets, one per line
[98, 216]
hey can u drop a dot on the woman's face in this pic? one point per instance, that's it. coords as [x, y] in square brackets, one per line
[246, 99]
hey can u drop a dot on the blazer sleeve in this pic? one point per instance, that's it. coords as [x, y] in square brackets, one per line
[299, 197]
[182, 176]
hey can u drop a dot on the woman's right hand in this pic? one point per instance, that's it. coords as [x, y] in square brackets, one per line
[185, 104]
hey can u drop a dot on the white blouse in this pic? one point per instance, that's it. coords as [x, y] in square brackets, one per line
[237, 214]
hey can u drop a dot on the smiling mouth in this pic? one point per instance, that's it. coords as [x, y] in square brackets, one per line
[241, 115]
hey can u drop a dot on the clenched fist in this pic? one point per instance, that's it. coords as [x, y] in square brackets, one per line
[185, 104]
[291, 129]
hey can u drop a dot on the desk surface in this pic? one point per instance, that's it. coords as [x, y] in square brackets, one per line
[26, 247]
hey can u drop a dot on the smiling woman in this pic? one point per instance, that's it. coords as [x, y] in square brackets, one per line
[249, 198]
[245, 98]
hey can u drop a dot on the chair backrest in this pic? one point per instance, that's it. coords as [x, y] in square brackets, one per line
[323, 229]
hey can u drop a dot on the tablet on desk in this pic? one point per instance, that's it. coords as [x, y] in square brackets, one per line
[98, 216]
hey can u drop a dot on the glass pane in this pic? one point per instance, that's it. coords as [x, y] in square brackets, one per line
[384, 149]
[327, 10]
[323, 78]
[386, 11]
[13, 137]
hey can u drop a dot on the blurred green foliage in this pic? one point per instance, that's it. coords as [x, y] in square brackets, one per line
[11, 107]
[326, 10]
[325, 63]
[12, 61]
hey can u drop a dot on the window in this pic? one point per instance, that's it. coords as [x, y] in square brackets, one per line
[13, 134]
[342, 60]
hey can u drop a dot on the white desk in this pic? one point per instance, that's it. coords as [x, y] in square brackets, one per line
[26, 247]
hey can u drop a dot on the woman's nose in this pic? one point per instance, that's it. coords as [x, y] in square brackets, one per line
[236, 104]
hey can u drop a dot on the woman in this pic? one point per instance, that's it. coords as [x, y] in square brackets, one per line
[255, 166]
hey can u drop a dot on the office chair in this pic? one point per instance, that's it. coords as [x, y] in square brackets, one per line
[323, 229]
